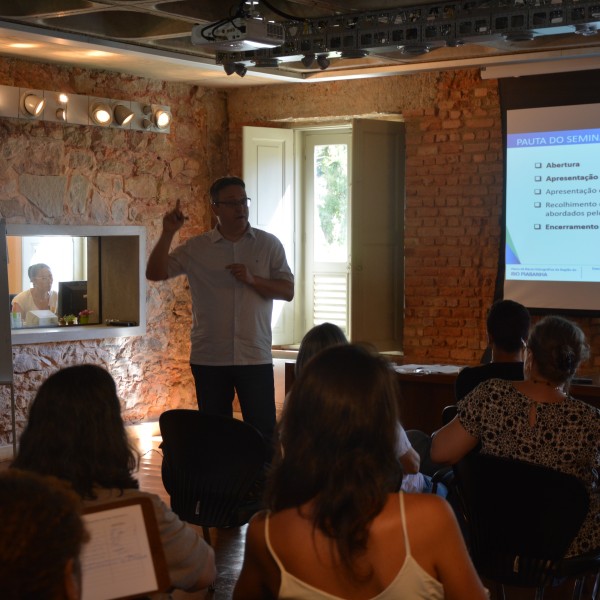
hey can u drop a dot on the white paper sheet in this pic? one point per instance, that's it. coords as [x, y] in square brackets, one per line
[117, 562]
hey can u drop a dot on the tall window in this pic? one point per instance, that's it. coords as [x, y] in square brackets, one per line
[327, 214]
[335, 198]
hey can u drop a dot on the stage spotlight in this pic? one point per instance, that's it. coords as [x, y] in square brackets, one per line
[308, 60]
[323, 61]
[240, 69]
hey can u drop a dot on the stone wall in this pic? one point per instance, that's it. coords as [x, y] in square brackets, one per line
[76, 175]
[454, 187]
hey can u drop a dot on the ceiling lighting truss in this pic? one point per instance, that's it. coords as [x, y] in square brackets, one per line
[430, 26]
[76, 109]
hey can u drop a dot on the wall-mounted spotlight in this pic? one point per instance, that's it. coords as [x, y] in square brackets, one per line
[323, 61]
[32, 104]
[123, 115]
[156, 116]
[162, 118]
[61, 111]
[308, 60]
[101, 114]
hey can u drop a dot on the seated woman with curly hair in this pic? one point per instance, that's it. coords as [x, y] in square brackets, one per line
[535, 420]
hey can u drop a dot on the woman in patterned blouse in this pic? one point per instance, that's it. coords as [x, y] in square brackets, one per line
[535, 420]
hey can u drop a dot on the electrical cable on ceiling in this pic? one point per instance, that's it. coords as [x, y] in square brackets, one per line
[283, 14]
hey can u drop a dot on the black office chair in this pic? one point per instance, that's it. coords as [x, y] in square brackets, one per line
[213, 468]
[520, 520]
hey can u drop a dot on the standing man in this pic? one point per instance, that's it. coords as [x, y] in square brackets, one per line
[235, 272]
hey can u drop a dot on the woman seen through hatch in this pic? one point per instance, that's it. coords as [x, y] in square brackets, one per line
[38, 297]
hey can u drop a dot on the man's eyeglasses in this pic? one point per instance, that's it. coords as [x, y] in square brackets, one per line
[234, 203]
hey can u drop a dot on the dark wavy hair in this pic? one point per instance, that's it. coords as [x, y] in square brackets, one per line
[508, 325]
[41, 529]
[316, 339]
[221, 184]
[75, 432]
[558, 347]
[338, 433]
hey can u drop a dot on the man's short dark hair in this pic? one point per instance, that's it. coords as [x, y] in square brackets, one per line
[222, 183]
[508, 325]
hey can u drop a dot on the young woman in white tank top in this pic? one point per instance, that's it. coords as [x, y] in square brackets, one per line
[336, 527]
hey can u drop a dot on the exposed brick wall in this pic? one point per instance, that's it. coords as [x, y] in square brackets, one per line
[453, 204]
[454, 188]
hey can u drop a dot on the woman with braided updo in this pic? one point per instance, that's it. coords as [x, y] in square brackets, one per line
[535, 420]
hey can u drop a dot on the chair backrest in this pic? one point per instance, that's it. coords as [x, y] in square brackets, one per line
[210, 463]
[520, 517]
[448, 413]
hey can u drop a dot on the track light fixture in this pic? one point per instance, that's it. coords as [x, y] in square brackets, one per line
[263, 63]
[123, 115]
[32, 104]
[355, 53]
[101, 114]
[63, 108]
[323, 61]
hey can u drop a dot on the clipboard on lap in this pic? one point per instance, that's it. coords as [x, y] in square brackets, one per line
[124, 558]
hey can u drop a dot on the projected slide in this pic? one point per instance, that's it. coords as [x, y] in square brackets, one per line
[553, 194]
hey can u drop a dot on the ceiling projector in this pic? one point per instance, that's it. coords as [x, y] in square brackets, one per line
[238, 35]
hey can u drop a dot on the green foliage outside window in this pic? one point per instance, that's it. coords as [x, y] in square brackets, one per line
[331, 173]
